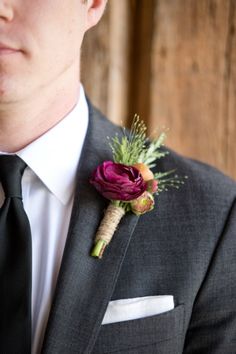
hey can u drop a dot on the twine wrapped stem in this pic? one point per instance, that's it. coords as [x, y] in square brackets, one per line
[107, 228]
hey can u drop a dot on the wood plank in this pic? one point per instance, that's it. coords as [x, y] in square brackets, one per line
[231, 93]
[140, 68]
[95, 62]
[106, 59]
[188, 82]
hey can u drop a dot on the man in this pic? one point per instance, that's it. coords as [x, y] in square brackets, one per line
[185, 249]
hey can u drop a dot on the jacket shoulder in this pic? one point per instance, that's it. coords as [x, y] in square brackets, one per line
[203, 181]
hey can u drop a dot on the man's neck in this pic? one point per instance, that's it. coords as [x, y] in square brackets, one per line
[23, 122]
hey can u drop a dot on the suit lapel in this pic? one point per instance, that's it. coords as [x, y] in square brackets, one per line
[85, 284]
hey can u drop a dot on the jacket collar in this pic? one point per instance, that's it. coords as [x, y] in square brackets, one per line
[85, 284]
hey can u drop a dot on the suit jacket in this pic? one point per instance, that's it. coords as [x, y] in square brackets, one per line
[185, 247]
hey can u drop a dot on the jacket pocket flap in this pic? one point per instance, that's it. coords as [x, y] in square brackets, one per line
[140, 332]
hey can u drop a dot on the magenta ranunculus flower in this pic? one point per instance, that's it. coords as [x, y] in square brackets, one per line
[116, 181]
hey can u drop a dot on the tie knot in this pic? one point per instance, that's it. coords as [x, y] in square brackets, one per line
[11, 171]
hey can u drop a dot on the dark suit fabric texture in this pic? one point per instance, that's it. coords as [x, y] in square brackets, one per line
[185, 247]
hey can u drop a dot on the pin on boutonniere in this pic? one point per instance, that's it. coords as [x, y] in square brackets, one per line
[128, 181]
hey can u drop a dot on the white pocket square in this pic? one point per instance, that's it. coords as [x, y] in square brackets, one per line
[139, 307]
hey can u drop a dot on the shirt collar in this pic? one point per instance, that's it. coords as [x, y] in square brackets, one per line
[55, 155]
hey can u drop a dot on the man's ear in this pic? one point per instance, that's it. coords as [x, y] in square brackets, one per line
[95, 9]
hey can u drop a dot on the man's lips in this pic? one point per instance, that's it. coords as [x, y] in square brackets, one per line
[4, 50]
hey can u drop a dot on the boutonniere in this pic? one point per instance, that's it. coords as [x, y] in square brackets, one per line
[128, 181]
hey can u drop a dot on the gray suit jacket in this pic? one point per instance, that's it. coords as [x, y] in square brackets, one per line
[185, 247]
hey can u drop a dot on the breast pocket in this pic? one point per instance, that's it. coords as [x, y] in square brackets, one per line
[159, 334]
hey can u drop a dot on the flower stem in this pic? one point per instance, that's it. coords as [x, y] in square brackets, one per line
[98, 249]
[107, 229]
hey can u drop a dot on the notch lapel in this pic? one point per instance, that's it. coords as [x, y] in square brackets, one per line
[85, 284]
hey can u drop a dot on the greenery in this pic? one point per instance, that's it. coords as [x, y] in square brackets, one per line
[130, 146]
[134, 147]
[164, 183]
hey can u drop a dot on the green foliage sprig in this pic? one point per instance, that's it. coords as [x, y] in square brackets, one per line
[135, 147]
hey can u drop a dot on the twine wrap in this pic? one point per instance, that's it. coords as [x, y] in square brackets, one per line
[107, 228]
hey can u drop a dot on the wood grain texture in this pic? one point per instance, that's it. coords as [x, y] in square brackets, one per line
[174, 63]
[106, 59]
[95, 63]
[190, 80]
[230, 153]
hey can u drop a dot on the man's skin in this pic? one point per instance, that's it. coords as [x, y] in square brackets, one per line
[40, 43]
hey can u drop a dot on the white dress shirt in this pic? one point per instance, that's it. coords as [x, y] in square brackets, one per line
[48, 185]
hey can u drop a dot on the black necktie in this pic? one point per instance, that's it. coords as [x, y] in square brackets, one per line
[15, 262]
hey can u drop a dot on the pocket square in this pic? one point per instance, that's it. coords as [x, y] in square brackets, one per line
[139, 307]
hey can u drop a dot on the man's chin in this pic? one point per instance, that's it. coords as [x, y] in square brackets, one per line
[7, 98]
[11, 93]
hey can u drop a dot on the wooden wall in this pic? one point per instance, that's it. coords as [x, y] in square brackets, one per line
[174, 63]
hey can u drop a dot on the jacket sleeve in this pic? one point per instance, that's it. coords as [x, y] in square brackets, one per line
[212, 328]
